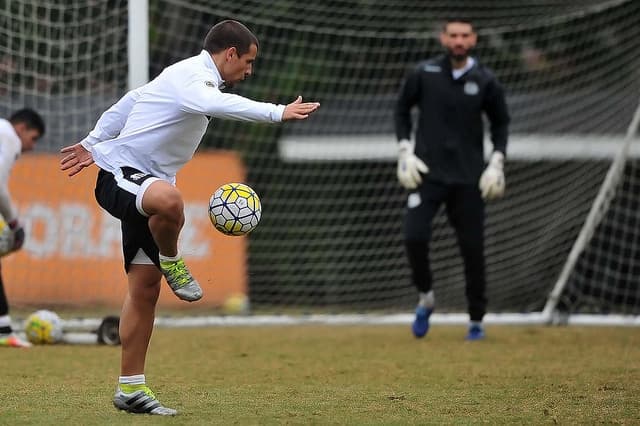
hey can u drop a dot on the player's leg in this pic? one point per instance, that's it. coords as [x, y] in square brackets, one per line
[7, 337]
[466, 211]
[422, 206]
[165, 207]
[136, 327]
[138, 314]
[132, 196]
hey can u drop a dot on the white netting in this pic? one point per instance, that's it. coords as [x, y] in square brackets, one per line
[331, 233]
[330, 236]
[66, 59]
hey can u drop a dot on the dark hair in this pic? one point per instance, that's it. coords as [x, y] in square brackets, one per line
[458, 20]
[229, 33]
[30, 118]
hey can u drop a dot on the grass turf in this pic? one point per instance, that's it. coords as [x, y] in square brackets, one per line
[365, 375]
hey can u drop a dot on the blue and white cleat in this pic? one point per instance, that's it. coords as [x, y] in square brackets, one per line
[476, 332]
[420, 325]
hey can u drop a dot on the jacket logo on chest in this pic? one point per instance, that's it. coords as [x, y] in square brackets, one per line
[471, 88]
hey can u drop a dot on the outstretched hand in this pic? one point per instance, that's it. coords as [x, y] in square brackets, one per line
[77, 158]
[298, 110]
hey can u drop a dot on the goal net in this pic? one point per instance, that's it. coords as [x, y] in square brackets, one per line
[66, 59]
[330, 239]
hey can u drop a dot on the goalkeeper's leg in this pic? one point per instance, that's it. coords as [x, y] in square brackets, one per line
[467, 213]
[417, 252]
[422, 207]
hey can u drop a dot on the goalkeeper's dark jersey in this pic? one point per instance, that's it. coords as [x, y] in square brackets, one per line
[450, 130]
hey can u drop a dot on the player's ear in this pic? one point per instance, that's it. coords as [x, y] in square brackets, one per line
[443, 37]
[474, 38]
[231, 52]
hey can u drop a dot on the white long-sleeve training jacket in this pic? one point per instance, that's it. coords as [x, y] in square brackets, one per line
[158, 127]
[10, 150]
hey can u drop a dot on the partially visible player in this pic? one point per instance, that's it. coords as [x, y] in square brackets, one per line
[139, 145]
[17, 135]
[445, 165]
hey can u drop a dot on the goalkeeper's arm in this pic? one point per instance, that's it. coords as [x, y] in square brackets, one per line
[492, 182]
[410, 167]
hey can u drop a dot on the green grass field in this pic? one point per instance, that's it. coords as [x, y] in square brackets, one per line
[366, 375]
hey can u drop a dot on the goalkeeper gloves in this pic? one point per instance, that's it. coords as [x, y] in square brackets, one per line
[409, 165]
[492, 180]
[18, 234]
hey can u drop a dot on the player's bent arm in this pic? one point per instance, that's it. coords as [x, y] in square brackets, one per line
[112, 121]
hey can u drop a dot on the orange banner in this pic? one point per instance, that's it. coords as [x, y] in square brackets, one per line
[73, 252]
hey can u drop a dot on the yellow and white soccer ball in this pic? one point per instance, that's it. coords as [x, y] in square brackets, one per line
[236, 304]
[235, 209]
[43, 327]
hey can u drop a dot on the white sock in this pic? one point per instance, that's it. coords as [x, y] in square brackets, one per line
[137, 379]
[427, 300]
[5, 321]
[170, 258]
[475, 323]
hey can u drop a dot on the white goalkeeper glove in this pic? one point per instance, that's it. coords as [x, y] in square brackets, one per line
[492, 180]
[409, 165]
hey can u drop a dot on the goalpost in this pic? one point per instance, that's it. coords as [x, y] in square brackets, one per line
[616, 201]
[562, 246]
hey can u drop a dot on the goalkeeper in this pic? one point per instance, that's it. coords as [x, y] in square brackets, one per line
[17, 135]
[139, 145]
[445, 165]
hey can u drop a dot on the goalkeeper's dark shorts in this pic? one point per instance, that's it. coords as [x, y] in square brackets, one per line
[121, 195]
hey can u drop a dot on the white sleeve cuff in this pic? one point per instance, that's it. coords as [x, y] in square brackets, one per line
[276, 116]
[86, 144]
[405, 145]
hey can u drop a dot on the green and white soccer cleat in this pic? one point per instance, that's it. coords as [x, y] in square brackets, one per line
[180, 280]
[140, 401]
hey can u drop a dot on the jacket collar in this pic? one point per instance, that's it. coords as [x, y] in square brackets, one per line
[207, 60]
[445, 63]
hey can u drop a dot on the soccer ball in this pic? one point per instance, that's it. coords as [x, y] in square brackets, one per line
[43, 327]
[234, 209]
[236, 304]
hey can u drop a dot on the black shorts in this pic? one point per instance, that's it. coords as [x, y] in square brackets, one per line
[121, 195]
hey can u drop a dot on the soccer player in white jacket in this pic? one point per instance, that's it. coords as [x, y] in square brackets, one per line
[139, 144]
[17, 134]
